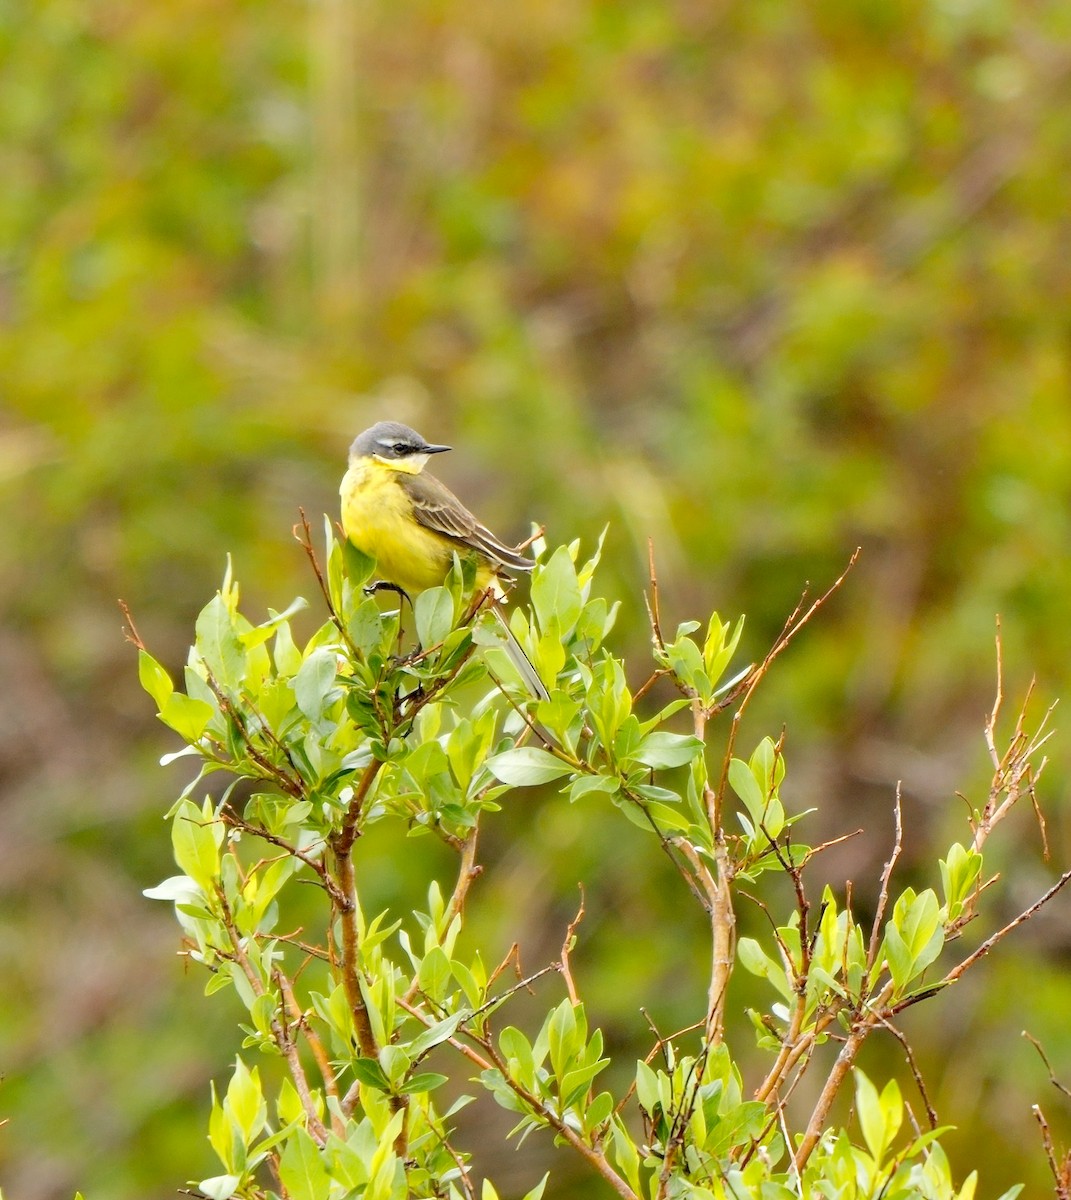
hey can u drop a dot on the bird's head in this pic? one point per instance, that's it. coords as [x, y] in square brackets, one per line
[395, 446]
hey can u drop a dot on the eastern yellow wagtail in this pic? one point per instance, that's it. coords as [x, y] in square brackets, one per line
[413, 525]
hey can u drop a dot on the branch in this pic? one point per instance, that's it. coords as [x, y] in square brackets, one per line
[567, 945]
[280, 1034]
[286, 988]
[594, 1157]
[229, 817]
[985, 947]
[304, 539]
[346, 882]
[886, 876]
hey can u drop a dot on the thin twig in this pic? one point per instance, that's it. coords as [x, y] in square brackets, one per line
[323, 1063]
[130, 632]
[931, 1114]
[229, 817]
[280, 1033]
[567, 945]
[1061, 1172]
[1048, 1066]
[886, 876]
[304, 539]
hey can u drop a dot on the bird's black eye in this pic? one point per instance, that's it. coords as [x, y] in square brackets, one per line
[399, 447]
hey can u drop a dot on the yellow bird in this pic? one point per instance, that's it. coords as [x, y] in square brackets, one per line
[413, 525]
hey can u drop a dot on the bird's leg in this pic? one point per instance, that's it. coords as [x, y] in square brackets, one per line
[383, 585]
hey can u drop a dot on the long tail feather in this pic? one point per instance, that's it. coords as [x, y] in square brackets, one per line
[521, 662]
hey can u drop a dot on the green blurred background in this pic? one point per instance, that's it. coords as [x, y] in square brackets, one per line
[760, 281]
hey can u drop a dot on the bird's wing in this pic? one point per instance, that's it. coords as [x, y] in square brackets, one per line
[438, 509]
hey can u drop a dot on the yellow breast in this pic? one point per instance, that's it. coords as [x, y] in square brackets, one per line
[377, 518]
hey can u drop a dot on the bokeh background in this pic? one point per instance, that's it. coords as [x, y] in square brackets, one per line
[760, 281]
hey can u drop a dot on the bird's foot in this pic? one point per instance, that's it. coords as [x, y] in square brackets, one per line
[383, 585]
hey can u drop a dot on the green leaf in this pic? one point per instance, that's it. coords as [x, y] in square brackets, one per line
[518, 1052]
[659, 750]
[437, 1033]
[525, 766]
[589, 785]
[154, 679]
[218, 1187]
[425, 1081]
[395, 1063]
[433, 611]
[668, 820]
[747, 788]
[868, 1110]
[285, 653]
[186, 715]
[625, 1154]
[536, 1193]
[196, 839]
[434, 973]
[314, 681]
[768, 766]
[556, 592]
[301, 1169]
[562, 1036]
[370, 1073]
[879, 1116]
[245, 1102]
[753, 958]
[898, 956]
[218, 643]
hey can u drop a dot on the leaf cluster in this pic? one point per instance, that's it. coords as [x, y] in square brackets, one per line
[371, 1015]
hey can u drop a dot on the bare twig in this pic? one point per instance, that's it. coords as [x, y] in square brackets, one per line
[1061, 1172]
[1048, 1066]
[931, 1114]
[130, 632]
[886, 876]
[567, 945]
[468, 871]
[651, 602]
[323, 1063]
[229, 817]
[304, 539]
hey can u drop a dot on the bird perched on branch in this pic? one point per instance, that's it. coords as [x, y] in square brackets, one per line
[413, 525]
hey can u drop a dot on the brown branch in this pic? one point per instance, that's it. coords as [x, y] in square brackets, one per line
[1061, 1172]
[593, 1156]
[568, 943]
[130, 631]
[985, 947]
[861, 1027]
[345, 879]
[653, 614]
[931, 1114]
[1048, 1066]
[791, 627]
[294, 786]
[886, 876]
[829, 1091]
[280, 1033]
[304, 539]
[229, 817]
[323, 1063]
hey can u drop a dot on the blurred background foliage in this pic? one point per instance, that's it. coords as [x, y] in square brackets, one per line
[760, 281]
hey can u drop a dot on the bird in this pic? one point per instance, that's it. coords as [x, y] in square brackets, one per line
[412, 525]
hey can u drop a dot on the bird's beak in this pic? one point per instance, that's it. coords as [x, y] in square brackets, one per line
[436, 449]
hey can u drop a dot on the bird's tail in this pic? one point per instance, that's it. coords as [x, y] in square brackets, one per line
[522, 664]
